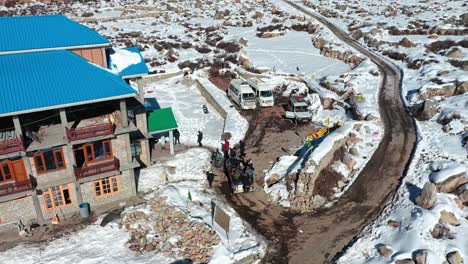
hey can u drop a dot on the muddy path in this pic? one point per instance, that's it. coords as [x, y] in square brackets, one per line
[319, 237]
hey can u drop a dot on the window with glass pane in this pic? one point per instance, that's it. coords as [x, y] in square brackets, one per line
[58, 158]
[57, 196]
[97, 188]
[49, 160]
[5, 172]
[106, 186]
[39, 163]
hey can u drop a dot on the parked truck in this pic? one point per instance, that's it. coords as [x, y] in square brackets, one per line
[297, 110]
[262, 91]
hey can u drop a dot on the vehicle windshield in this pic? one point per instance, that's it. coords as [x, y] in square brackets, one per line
[300, 109]
[248, 96]
[266, 93]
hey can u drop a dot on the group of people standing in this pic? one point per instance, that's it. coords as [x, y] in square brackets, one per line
[238, 170]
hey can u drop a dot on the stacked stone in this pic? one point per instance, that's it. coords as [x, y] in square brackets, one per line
[168, 231]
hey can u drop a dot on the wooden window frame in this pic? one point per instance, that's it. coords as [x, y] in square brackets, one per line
[99, 183]
[50, 193]
[10, 168]
[103, 142]
[54, 154]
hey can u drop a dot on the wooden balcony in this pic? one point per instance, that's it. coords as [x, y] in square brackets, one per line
[97, 168]
[93, 131]
[11, 145]
[15, 187]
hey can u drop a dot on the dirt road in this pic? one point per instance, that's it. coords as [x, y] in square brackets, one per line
[318, 238]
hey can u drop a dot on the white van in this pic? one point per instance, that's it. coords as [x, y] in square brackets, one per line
[263, 92]
[242, 94]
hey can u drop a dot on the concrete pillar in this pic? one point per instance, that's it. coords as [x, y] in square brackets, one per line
[79, 196]
[37, 208]
[171, 141]
[128, 147]
[123, 112]
[17, 124]
[63, 120]
[145, 152]
[141, 93]
[132, 181]
[27, 165]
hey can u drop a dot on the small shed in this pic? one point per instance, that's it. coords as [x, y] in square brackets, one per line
[162, 121]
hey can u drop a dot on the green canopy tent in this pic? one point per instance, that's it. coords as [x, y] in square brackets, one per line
[161, 121]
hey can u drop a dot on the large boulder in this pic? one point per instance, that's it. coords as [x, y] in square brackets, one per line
[404, 261]
[452, 183]
[463, 193]
[429, 109]
[455, 53]
[428, 196]
[420, 257]
[448, 218]
[384, 251]
[274, 178]
[464, 19]
[454, 257]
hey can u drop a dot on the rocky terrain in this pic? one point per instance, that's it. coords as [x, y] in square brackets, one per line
[163, 229]
[427, 218]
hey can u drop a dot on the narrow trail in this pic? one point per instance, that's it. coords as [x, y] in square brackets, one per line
[318, 238]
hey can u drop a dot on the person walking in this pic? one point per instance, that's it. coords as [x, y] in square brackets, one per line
[176, 136]
[210, 177]
[200, 138]
[226, 149]
[217, 159]
[242, 147]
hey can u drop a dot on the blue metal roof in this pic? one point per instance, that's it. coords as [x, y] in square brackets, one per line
[130, 67]
[52, 79]
[24, 33]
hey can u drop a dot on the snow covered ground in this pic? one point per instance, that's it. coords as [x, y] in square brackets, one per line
[186, 102]
[96, 244]
[426, 43]
[286, 54]
[235, 124]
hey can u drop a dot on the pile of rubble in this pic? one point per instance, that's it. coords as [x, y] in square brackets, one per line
[163, 229]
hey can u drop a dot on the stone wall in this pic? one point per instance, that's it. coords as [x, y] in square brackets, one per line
[158, 77]
[125, 191]
[119, 148]
[18, 209]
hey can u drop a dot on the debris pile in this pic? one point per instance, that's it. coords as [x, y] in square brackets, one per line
[162, 229]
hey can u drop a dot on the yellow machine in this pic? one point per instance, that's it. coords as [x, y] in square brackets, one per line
[324, 131]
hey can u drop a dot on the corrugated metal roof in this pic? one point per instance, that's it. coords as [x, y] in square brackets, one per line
[53, 78]
[161, 120]
[23, 33]
[129, 66]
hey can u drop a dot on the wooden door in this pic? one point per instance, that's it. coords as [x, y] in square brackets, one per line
[19, 170]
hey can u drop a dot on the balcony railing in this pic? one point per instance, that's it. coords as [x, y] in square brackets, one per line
[10, 146]
[15, 187]
[97, 168]
[90, 131]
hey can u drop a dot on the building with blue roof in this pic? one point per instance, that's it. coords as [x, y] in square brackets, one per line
[72, 129]
[54, 79]
[50, 32]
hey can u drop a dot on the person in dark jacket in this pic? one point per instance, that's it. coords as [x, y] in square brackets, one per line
[200, 138]
[210, 177]
[242, 147]
[176, 136]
